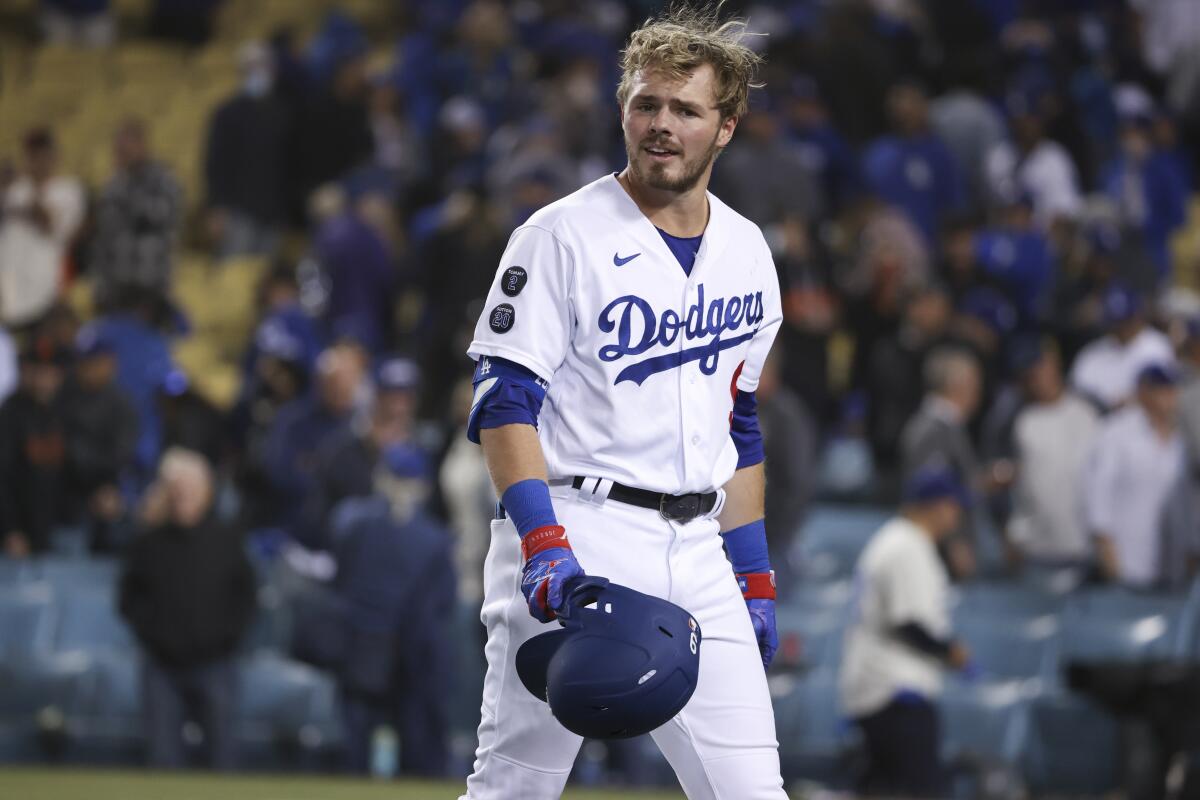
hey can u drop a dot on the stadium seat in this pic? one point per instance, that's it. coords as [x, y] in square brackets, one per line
[287, 713]
[998, 600]
[70, 573]
[832, 539]
[35, 693]
[1115, 624]
[27, 617]
[104, 724]
[1072, 748]
[816, 742]
[809, 641]
[89, 620]
[823, 597]
[1012, 649]
[983, 724]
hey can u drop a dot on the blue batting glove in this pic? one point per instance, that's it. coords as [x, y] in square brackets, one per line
[758, 588]
[549, 564]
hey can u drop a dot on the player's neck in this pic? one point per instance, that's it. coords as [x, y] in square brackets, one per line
[683, 214]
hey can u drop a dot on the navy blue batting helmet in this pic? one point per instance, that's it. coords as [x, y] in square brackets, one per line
[622, 664]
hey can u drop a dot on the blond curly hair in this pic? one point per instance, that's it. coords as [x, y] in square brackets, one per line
[684, 38]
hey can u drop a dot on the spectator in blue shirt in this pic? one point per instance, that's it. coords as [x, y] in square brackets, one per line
[1145, 185]
[912, 169]
[1017, 256]
[822, 148]
[300, 428]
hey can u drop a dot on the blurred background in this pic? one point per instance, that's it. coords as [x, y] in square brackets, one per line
[243, 245]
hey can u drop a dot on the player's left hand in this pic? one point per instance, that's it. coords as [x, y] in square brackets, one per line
[762, 614]
[758, 589]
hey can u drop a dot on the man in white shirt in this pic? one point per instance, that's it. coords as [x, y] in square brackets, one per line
[1035, 165]
[1106, 370]
[1135, 464]
[42, 212]
[1052, 437]
[900, 642]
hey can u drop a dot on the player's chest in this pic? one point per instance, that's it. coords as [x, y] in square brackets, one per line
[642, 319]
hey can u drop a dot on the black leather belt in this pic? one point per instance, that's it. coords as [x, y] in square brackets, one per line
[674, 507]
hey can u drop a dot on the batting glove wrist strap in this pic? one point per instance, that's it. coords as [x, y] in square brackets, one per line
[757, 585]
[542, 539]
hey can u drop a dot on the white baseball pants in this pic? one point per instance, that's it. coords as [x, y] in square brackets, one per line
[722, 745]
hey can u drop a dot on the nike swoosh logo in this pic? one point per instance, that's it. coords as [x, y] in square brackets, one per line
[620, 262]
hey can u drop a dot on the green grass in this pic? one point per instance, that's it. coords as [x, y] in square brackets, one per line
[72, 784]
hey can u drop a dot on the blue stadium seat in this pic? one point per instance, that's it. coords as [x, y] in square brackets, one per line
[997, 600]
[1116, 624]
[105, 723]
[809, 641]
[287, 712]
[822, 596]
[984, 724]
[89, 619]
[1012, 649]
[816, 741]
[27, 619]
[832, 539]
[1072, 749]
[35, 694]
[93, 571]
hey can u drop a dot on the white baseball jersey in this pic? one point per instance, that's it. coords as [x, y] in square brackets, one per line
[643, 361]
[900, 579]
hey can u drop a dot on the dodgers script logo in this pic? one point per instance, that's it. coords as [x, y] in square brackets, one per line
[639, 328]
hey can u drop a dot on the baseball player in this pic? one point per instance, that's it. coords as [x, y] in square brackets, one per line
[616, 364]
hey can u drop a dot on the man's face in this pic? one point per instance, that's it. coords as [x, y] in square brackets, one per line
[44, 381]
[1160, 402]
[673, 130]
[1044, 379]
[391, 419]
[909, 110]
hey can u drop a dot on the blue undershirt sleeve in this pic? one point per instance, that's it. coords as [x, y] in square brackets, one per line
[743, 427]
[506, 393]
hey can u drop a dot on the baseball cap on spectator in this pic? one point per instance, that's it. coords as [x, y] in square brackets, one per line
[1161, 373]
[991, 308]
[1026, 351]
[277, 339]
[397, 374]
[406, 460]
[1104, 239]
[935, 483]
[91, 341]
[1120, 304]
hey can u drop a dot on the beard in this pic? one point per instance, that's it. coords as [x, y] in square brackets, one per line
[657, 177]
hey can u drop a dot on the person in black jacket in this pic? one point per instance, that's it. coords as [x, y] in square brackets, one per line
[33, 446]
[188, 591]
[245, 161]
[102, 432]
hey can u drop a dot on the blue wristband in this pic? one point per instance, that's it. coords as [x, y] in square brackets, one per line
[747, 548]
[527, 504]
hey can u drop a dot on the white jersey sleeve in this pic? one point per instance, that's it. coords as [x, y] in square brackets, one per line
[529, 317]
[760, 345]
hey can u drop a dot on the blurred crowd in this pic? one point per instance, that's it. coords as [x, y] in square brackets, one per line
[971, 204]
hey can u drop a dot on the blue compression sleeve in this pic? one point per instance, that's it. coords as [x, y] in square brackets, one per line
[747, 547]
[743, 427]
[506, 393]
[527, 504]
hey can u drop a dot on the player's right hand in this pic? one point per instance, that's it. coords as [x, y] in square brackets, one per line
[549, 564]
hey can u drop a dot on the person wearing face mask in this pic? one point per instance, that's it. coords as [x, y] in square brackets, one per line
[245, 162]
[346, 462]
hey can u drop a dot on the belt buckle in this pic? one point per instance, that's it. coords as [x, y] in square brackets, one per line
[684, 508]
